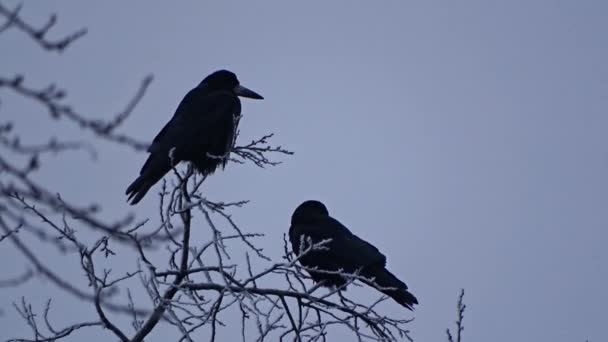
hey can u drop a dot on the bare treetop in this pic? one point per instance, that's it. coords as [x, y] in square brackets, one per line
[199, 289]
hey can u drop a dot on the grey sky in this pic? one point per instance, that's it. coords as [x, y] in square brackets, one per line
[466, 140]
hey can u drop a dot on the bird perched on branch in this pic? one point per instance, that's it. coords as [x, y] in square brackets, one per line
[201, 131]
[342, 253]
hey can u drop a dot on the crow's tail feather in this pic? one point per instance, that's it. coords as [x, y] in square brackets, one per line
[153, 170]
[398, 290]
[138, 189]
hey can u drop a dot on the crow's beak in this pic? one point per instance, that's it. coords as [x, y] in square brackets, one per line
[239, 90]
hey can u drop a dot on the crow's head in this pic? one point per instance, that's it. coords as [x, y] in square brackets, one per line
[309, 210]
[227, 81]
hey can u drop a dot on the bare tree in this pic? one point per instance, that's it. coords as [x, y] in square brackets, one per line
[459, 326]
[198, 288]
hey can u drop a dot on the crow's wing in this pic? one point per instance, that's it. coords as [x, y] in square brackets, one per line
[346, 249]
[198, 119]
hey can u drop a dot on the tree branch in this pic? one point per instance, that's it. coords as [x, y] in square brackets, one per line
[38, 35]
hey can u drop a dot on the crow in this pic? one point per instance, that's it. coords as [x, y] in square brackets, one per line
[345, 253]
[201, 131]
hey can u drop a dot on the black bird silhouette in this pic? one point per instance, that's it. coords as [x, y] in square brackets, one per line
[201, 131]
[345, 251]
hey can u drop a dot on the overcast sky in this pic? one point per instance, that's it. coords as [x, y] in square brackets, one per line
[465, 139]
